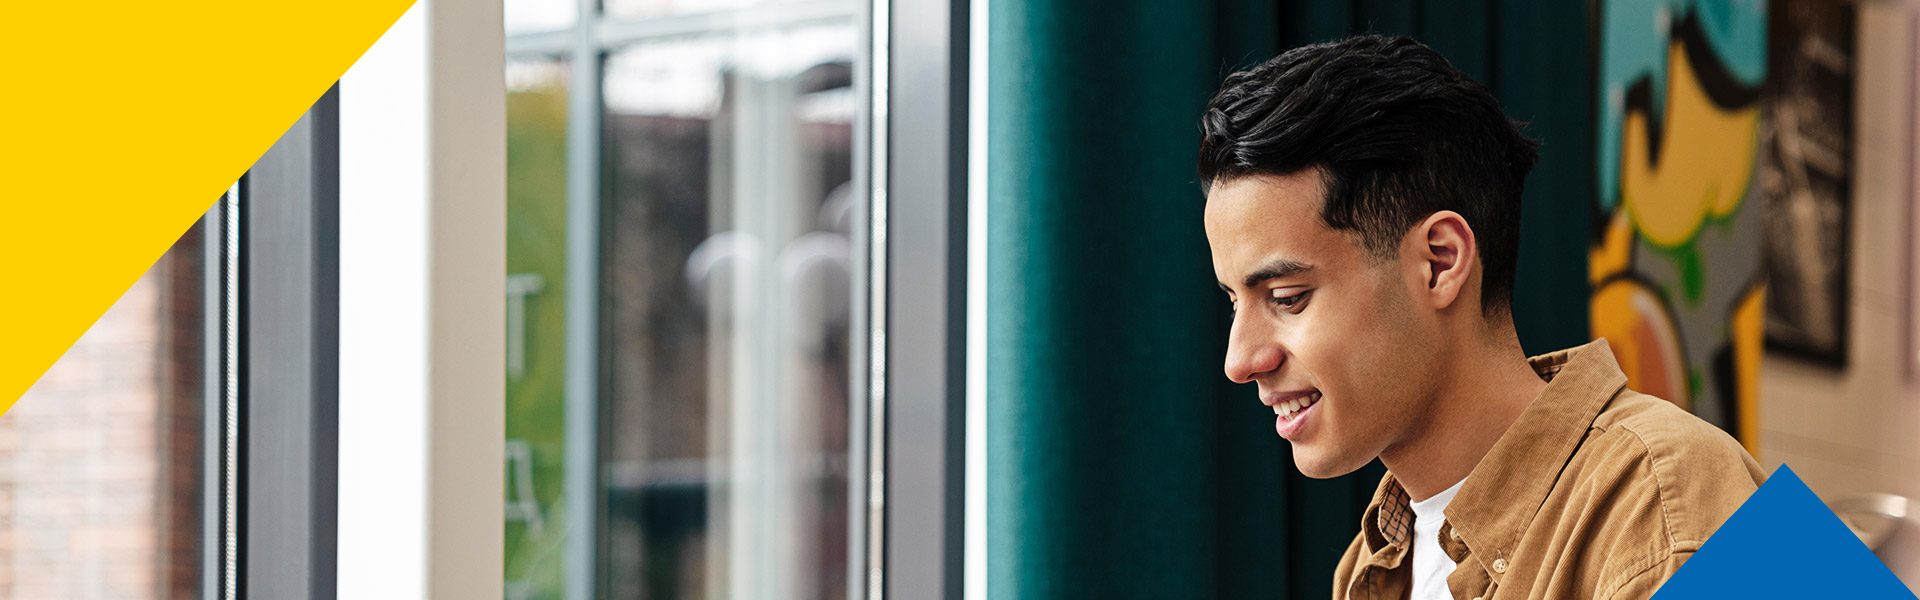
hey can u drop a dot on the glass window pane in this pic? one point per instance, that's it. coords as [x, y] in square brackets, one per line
[536, 328]
[526, 16]
[100, 461]
[641, 9]
[728, 271]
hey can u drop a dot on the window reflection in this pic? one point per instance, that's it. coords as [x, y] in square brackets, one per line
[728, 160]
[643, 9]
[536, 524]
[527, 16]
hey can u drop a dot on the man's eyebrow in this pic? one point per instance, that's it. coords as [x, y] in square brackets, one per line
[1277, 269]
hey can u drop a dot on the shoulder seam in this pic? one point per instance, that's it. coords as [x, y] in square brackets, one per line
[1673, 546]
[1659, 486]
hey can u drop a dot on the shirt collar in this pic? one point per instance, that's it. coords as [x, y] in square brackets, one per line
[1389, 518]
[1505, 490]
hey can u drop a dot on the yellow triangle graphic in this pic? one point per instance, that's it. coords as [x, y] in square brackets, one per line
[121, 122]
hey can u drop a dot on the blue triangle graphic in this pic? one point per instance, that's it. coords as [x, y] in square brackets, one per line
[1783, 543]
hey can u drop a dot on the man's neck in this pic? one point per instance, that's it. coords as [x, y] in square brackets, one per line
[1483, 391]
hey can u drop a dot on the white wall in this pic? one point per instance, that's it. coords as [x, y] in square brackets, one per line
[1858, 430]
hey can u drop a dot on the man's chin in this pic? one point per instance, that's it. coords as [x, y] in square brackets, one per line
[1318, 465]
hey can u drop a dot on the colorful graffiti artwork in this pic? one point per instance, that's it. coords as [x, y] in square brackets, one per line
[1676, 267]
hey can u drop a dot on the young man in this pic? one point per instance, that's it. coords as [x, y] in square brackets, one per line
[1363, 208]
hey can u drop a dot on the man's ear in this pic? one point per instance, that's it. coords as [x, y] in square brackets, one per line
[1447, 251]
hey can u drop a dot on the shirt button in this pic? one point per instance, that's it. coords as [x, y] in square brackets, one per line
[1455, 533]
[1499, 565]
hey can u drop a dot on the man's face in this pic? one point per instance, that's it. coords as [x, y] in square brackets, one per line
[1330, 334]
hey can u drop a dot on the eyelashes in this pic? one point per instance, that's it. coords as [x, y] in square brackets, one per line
[1292, 303]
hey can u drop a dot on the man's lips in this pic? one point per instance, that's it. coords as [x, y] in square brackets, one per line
[1278, 398]
[1289, 403]
[1290, 409]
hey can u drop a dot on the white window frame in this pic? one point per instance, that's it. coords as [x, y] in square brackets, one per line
[422, 274]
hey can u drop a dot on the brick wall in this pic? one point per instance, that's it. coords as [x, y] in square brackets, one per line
[99, 467]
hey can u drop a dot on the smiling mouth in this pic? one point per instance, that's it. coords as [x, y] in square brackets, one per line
[1289, 408]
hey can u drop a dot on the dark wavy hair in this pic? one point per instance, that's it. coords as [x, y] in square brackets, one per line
[1396, 134]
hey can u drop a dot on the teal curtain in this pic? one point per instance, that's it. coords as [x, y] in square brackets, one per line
[1102, 324]
[1121, 462]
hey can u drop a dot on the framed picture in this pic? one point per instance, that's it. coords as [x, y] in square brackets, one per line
[1805, 177]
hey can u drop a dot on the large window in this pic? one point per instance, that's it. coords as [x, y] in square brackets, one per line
[713, 146]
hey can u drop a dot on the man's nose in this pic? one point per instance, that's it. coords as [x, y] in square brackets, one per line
[1250, 353]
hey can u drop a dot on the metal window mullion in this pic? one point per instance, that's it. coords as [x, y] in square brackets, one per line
[230, 401]
[287, 372]
[582, 385]
[863, 552]
[921, 186]
[875, 443]
[219, 434]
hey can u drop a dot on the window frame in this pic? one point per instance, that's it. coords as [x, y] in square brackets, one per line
[270, 320]
[309, 337]
[288, 370]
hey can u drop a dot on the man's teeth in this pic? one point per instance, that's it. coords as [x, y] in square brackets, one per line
[1286, 409]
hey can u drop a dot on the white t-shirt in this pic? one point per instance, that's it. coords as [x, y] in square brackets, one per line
[1431, 565]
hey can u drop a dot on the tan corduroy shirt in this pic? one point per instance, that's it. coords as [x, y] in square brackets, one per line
[1596, 491]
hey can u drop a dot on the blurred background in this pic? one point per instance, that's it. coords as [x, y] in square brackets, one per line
[829, 298]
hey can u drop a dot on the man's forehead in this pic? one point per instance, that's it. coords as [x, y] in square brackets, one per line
[1263, 205]
[1269, 226]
